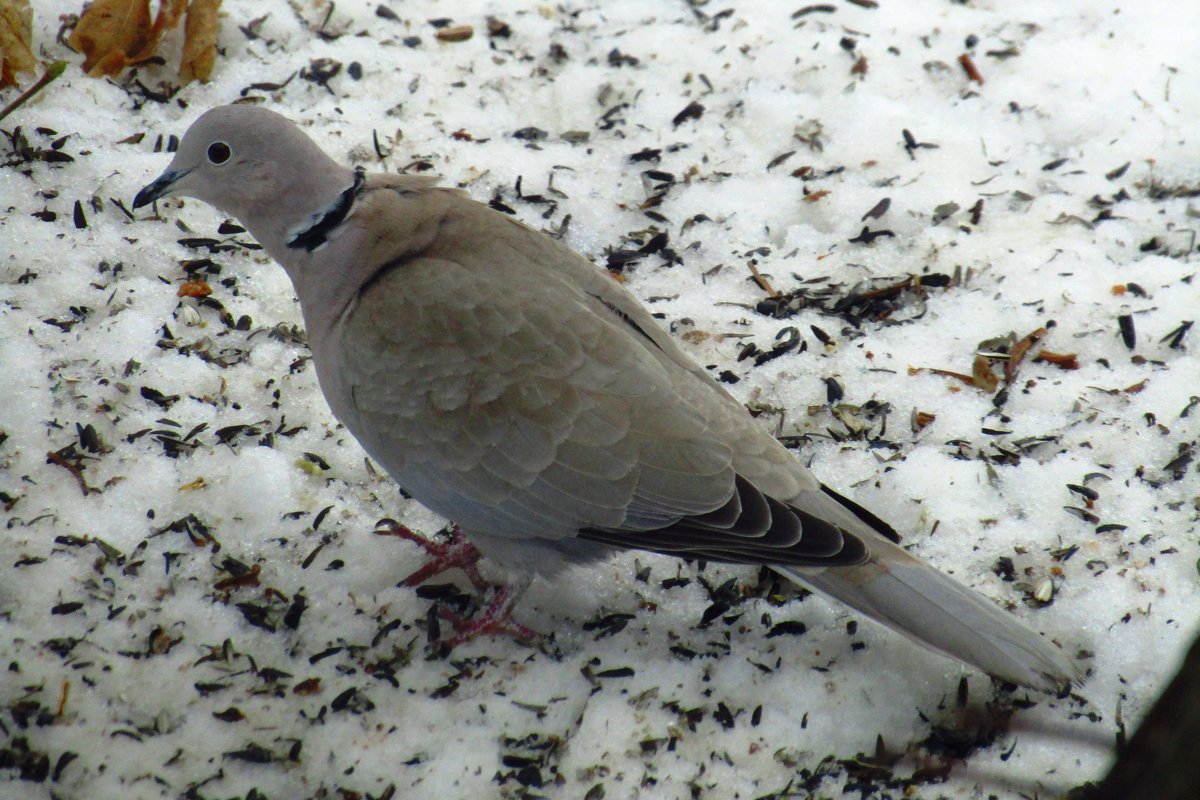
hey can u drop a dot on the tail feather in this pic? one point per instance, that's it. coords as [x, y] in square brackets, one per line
[937, 611]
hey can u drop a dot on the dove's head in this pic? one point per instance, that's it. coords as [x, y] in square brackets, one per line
[252, 164]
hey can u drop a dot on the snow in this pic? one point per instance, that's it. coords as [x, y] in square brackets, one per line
[128, 663]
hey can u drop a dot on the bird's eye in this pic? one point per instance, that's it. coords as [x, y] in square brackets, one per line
[218, 153]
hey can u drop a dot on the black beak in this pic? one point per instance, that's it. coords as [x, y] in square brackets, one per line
[160, 187]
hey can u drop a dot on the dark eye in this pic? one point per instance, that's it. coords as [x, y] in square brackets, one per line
[219, 153]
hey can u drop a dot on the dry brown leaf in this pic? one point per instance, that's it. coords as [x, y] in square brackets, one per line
[16, 41]
[946, 373]
[1019, 351]
[921, 418]
[108, 31]
[115, 34]
[1060, 360]
[984, 378]
[199, 40]
[196, 288]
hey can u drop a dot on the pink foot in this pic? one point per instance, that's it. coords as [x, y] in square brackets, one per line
[496, 618]
[457, 551]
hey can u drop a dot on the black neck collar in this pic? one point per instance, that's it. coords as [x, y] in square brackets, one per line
[314, 235]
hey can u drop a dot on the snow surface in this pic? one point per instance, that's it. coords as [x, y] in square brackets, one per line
[132, 666]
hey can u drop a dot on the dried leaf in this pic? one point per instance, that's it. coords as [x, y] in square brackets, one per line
[1019, 351]
[199, 40]
[16, 41]
[115, 34]
[1060, 360]
[967, 379]
[982, 375]
[107, 31]
[196, 288]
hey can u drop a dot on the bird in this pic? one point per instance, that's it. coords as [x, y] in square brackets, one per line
[512, 386]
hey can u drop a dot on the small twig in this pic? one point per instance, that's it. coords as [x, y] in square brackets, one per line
[62, 699]
[55, 458]
[52, 72]
[762, 282]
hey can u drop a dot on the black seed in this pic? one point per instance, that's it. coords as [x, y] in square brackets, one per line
[66, 608]
[618, 672]
[291, 619]
[712, 612]
[530, 134]
[693, 110]
[788, 628]
[253, 754]
[1128, 334]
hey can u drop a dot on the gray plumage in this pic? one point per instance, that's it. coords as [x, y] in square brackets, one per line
[508, 384]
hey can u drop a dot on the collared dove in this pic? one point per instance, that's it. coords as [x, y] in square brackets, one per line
[510, 385]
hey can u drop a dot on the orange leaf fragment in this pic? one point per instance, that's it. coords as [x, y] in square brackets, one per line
[813, 197]
[1019, 351]
[983, 377]
[115, 34]
[967, 379]
[1060, 360]
[16, 41]
[196, 288]
[969, 67]
[199, 40]
[235, 581]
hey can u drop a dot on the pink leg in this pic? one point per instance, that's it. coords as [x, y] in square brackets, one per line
[458, 552]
